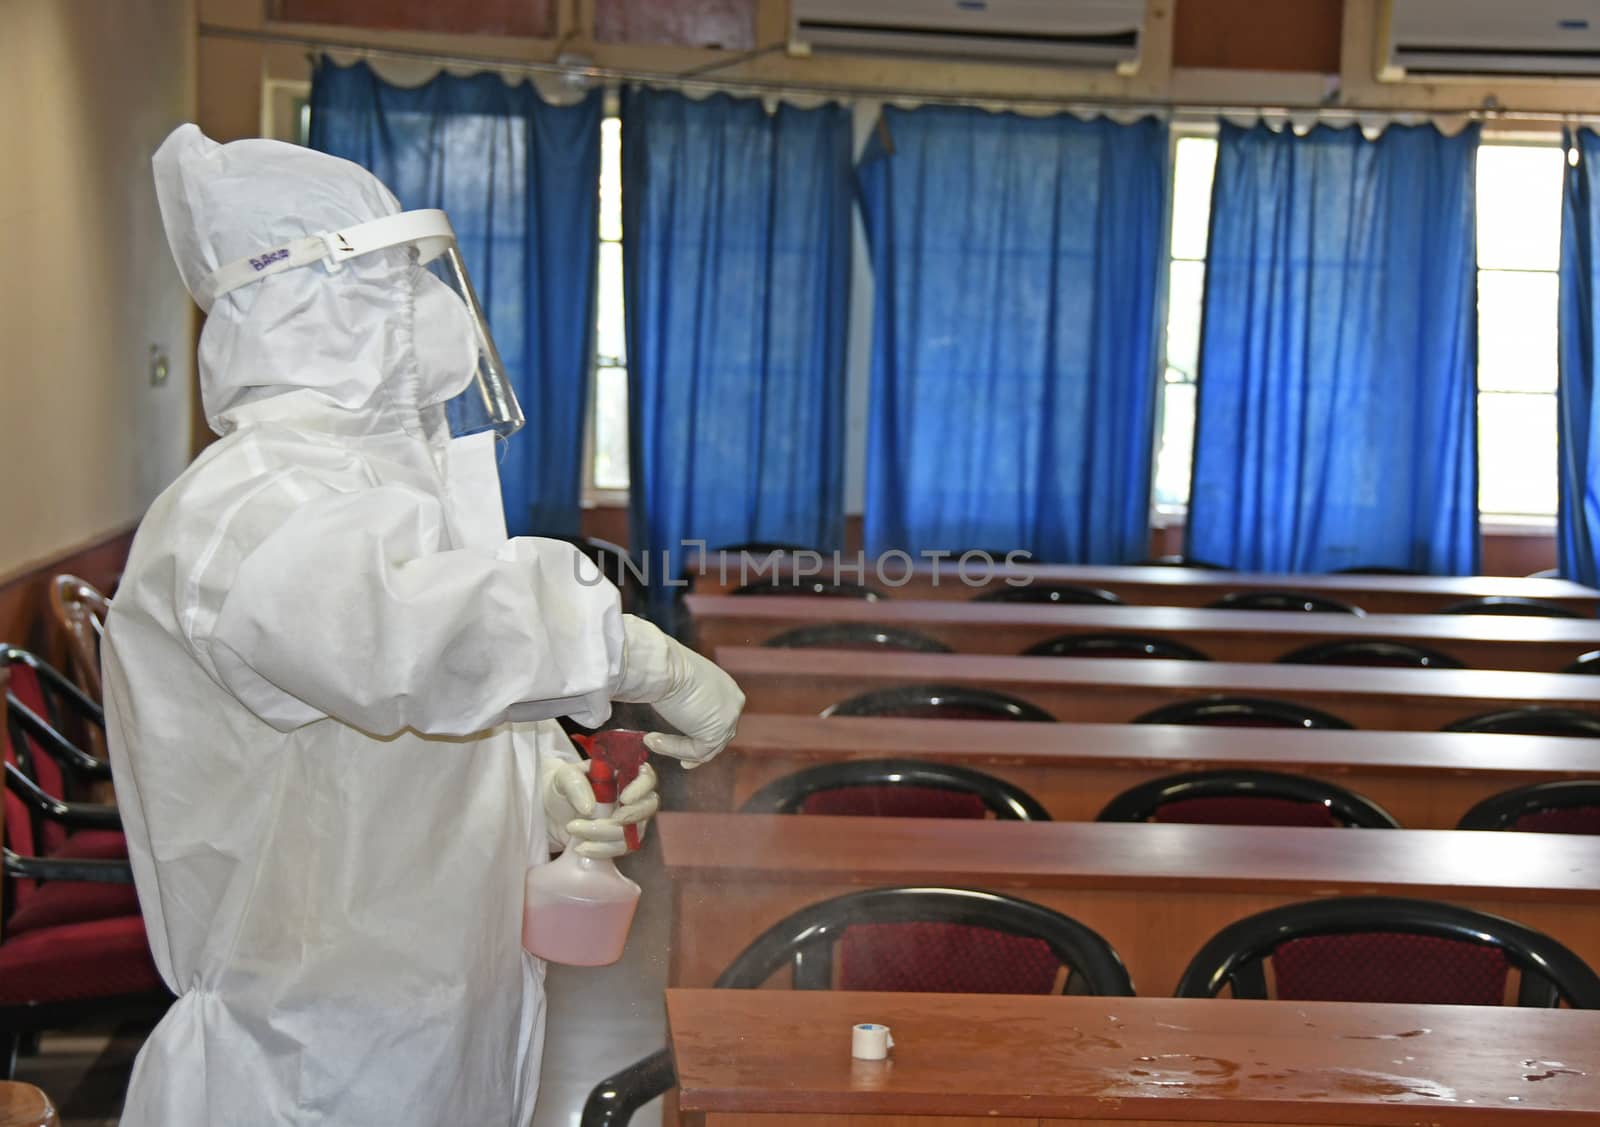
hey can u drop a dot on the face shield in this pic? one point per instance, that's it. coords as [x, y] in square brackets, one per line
[487, 401]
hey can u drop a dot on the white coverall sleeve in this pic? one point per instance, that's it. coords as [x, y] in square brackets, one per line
[344, 610]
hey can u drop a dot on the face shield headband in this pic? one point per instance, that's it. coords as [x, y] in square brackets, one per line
[488, 403]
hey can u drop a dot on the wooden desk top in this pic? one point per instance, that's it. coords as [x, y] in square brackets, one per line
[868, 670]
[778, 849]
[1150, 1059]
[1454, 586]
[783, 612]
[1161, 746]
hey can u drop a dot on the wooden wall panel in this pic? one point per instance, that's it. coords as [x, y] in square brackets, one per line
[679, 23]
[24, 597]
[529, 18]
[1250, 35]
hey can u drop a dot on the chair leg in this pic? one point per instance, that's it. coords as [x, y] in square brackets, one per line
[8, 1054]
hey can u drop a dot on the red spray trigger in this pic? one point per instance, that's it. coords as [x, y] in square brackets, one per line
[617, 754]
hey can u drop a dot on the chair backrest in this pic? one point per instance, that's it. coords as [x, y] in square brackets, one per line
[856, 636]
[1388, 949]
[1532, 721]
[1246, 798]
[1241, 712]
[933, 940]
[1180, 561]
[1376, 569]
[792, 586]
[1284, 600]
[1588, 664]
[1510, 604]
[941, 702]
[80, 612]
[1064, 593]
[1114, 645]
[896, 788]
[1372, 652]
[1566, 807]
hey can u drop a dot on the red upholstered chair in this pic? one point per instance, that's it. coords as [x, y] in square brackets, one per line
[1387, 949]
[856, 636]
[1115, 646]
[1533, 720]
[1570, 807]
[1286, 601]
[72, 943]
[1510, 604]
[940, 702]
[1246, 798]
[896, 788]
[44, 769]
[1371, 652]
[1241, 712]
[940, 940]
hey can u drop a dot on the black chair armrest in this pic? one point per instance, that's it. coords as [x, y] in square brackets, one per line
[26, 723]
[614, 1100]
[73, 815]
[67, 868]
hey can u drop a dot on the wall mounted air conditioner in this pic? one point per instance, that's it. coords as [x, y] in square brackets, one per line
[1491, 37]
[1087, 33]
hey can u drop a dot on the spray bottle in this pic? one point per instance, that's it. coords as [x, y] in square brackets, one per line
[577, 910]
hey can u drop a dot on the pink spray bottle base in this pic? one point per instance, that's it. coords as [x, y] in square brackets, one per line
[577, 910]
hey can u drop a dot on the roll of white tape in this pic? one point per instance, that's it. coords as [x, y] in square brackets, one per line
[870, 1041]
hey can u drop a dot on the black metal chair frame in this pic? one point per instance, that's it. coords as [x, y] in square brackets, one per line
[1510, 604]
[1267, 600]
[884, 702]
[1531, 720]
[1085, 645]
[1233, 957]
[804, 941]
[826, 635]
[787, 795]
[1140, 803]
[1187, 711]
[1072, 594]
[1327, 653]
[807, 588]
[1501, 811]
[1587, 664]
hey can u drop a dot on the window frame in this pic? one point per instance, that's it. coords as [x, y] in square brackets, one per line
[595, 496]
[1495, 522]
[1165, 515]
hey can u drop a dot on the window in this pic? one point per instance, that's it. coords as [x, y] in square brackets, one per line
[1519, 248]
[1194, 160]
[1519, 251]
[608, 462]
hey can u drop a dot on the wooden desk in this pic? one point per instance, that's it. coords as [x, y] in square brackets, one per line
[1425, 779]
[1477, 640]
[1196, 587]
[1116, 691]
[1155, 892]
[756, 1056]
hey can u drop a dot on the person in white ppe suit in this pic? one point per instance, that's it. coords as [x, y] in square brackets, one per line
[331, 679]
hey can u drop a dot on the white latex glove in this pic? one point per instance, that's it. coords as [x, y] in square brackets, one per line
[569, 803]
[689, 692]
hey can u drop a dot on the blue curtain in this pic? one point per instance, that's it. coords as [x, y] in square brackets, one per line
[519, 178]
[1016, 263]
[1337, 419]
[736, 246]
[1578, 522]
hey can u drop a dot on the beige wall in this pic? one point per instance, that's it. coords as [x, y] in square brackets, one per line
[89, 88]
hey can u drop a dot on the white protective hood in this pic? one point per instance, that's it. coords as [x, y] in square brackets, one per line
[381, 336]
